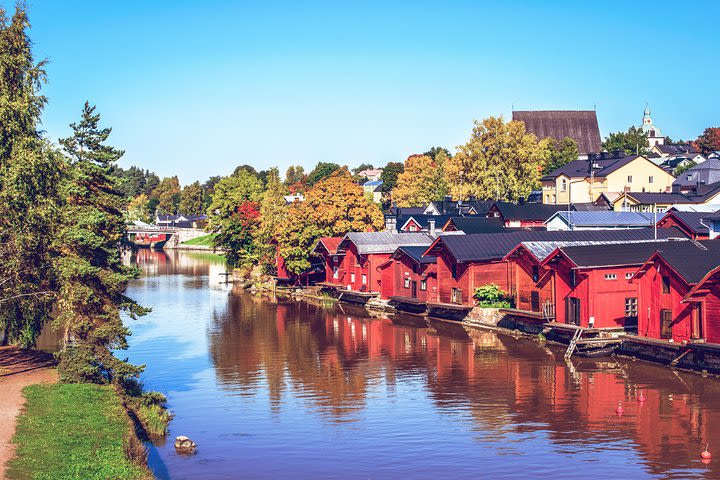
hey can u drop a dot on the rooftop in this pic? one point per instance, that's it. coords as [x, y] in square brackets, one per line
[580, 125]
[383, 242]
[607, 218]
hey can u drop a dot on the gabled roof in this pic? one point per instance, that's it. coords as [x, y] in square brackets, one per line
[527, 211]
[648, 198]
[494, 246]
[610, 255]
[705, 173]
[422, 220]
[605, 218]
[542, 250]
[383, 242]
[678, 149]
[693, 221]
[476, 224]
[602, 167]
[692, 264]
[329, 243]
[580, 125]
[415, 254]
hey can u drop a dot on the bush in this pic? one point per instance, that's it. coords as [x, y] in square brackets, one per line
[490, 296]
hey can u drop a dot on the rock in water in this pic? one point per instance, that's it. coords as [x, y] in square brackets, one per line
[184, 445]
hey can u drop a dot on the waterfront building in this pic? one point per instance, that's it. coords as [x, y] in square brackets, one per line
[474, 224]
[408, 278]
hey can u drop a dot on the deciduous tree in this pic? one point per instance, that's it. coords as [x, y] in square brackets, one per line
[631, 142]
[192, 199]
[335, 206]
[422, 181]
[321, 170]
[560, 153]
[272, 213]
[499, 161]
[390, 175]
[168, 195]
[709, 141]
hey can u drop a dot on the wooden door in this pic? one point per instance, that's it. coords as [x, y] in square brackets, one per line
[572, 311]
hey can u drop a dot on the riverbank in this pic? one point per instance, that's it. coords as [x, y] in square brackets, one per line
[76, 431]
[18, 369]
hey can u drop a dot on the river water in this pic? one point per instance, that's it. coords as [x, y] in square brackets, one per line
[272, 388]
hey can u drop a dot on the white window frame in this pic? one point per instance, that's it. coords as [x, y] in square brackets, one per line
[611, 276]
[352, 277]
[364, 279]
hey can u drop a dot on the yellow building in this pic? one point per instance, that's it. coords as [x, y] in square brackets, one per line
[583, 181]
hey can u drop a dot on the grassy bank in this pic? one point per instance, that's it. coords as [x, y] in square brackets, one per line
[75, 431]
[205, 241]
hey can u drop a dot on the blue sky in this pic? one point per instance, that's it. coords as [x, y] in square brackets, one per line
[195, 88]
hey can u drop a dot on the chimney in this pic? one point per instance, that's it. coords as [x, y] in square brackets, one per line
[471, 198]
[446, 203]
[619, 153]
[431, 227]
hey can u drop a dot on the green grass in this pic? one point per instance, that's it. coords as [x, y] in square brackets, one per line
[205, 240]
[73, 431]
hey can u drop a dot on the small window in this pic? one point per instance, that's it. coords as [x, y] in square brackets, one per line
[335, 271]
[407, 282]
[454, 271]
[352, 277]
[611, 276]
[628, 275]
[665, 323]
[629, 179]
[665, 284]
[573, 278]
[651, 179]
[535, 273]
[563, 185]
[423, 285]
[364, 279]
[631, 307]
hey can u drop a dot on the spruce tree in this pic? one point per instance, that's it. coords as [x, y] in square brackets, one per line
[91, 275]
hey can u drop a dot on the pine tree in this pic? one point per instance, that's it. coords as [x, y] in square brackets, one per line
[91, 275]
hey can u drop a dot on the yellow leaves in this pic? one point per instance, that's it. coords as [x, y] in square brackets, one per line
[422, 181]
[500, 161]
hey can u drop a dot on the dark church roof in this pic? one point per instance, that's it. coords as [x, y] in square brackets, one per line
[580, 125]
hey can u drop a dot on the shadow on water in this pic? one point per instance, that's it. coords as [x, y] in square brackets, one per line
[277, 388]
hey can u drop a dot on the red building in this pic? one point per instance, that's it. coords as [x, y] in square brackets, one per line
[465, 262]
[691, 223]
[677, 295]
[326, 248]
[362, 254]
[321, 264]
[409, 277]
[524, 214]
[593, 283]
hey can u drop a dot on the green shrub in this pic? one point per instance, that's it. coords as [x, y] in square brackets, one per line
[490, 296]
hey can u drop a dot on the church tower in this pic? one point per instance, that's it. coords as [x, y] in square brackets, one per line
[652, 132]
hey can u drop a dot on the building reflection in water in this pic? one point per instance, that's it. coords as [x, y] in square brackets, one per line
[337, 359]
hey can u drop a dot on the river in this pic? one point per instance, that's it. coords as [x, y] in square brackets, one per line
[272, 388]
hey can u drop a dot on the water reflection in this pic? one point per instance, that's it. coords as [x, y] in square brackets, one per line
[272, 388]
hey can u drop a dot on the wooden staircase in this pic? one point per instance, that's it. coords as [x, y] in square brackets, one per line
[573, 342]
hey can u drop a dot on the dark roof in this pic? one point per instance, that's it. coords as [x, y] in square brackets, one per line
[586, 256]
[406, 210]
[416, 254]
[692, 265]
[451, 207]
[647, 198]
[383, 242]
[705, 173]
[471, 225]
[693, 220]
[527, 211]
[494, 246]
[678, 149]
[602, 167]
[423, 220]
[580, 125]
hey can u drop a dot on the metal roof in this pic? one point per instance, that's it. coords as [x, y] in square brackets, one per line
[383, 242]
[494, 246]
[609, 255]
[477, 224]
[605, 218]
[541, 250]
[416, 254]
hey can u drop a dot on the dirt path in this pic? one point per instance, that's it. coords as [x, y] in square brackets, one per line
[18, 368]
